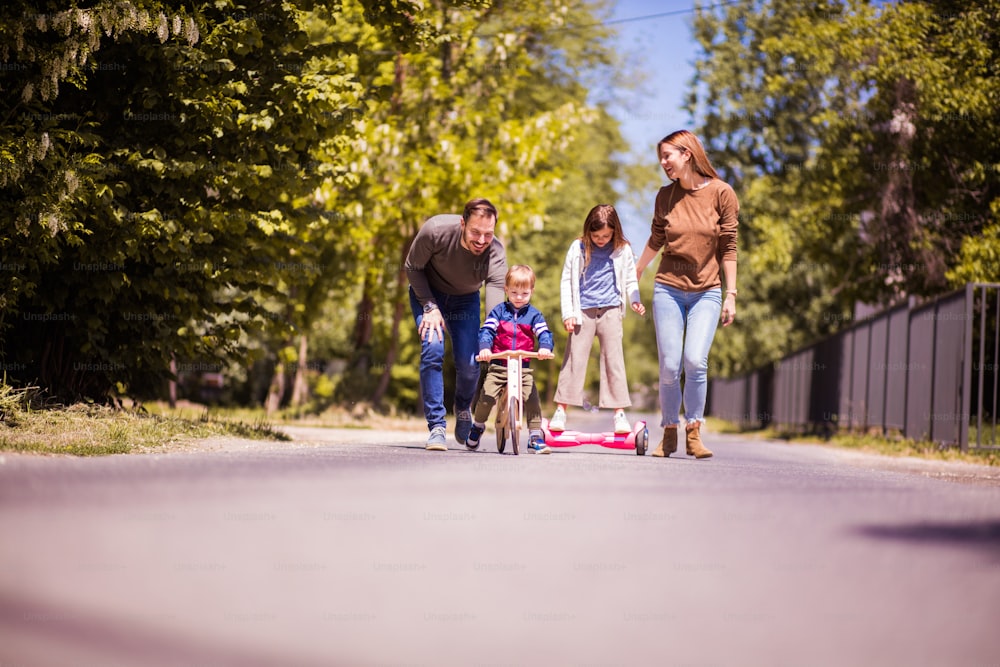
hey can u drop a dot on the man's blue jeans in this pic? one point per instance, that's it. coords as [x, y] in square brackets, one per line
[461, 320]
[685, 327]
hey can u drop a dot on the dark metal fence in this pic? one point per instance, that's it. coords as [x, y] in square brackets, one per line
[927, 372]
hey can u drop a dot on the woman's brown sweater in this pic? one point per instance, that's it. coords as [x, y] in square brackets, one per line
[697, 231]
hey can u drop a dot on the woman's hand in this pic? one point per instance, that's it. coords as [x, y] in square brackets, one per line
[638, 307]
[569, 324]
[729, 309]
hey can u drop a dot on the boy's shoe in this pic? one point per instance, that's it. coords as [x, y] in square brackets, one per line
[474, 435]
[538, 446]
[463, 424]
[558, 421]
[621, 423]
[437, 442]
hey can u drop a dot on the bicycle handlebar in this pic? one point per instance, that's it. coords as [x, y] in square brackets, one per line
[515, 354]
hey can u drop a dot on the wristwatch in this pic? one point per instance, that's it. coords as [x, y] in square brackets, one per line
[429, 306]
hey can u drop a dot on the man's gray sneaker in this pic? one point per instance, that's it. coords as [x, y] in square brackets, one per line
[463, 424]
[437, 442]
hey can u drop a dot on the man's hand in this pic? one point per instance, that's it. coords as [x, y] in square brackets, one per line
[432, 326]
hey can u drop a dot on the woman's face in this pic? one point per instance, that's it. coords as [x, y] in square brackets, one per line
[601, 237]
[674, 161]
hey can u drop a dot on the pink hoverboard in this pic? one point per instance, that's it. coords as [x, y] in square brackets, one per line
[636, 439]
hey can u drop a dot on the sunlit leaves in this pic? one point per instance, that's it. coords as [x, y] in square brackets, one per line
[860, 136]
[157, 191]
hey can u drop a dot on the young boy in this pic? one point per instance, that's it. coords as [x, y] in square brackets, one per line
[513, 325]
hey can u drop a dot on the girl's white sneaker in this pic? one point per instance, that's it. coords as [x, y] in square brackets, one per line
[621, 423]
[558, 421]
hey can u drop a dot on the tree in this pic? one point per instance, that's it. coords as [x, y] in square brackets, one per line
[862, 140]
[192, 186]
[158, 195]
[489, 110]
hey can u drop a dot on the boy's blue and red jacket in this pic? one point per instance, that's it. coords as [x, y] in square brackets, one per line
[509, 329]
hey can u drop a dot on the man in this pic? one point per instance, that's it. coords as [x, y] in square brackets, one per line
[451, 258]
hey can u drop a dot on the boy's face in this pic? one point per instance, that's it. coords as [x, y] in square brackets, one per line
[519, 296]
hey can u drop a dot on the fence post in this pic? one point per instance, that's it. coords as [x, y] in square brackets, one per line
[963, 431]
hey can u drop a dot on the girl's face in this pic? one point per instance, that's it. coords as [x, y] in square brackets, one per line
[601, 237]
[674, 161]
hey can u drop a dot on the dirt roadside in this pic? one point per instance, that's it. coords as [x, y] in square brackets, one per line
[952, 471]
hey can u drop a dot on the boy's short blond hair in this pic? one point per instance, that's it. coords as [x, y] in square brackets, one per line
[519, 275]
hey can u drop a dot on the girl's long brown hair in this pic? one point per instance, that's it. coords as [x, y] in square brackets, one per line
[600, 217]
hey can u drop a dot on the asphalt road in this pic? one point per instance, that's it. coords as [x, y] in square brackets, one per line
[360, 548]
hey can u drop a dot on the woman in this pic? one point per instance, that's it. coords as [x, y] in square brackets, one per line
[694, 222]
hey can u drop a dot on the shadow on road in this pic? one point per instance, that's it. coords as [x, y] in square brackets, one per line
[984, 535]
[159, 639]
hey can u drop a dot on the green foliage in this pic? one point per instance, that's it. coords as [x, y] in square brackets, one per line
[980, 257]
[490, 110]
[158, 198]
[862, 140]
[209, 182]
[14, 402]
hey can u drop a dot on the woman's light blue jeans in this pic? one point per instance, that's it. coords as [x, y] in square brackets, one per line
[461, 320]
[685, 327]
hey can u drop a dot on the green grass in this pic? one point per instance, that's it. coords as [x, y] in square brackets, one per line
[876, 444]
[90, 430]
[84, 429]
[359, 416]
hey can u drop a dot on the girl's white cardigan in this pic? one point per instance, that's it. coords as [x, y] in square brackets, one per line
[625, 278]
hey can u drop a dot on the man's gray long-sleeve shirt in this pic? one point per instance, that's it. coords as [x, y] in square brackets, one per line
[438, 260]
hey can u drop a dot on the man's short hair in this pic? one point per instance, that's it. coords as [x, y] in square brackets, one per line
[479, 208]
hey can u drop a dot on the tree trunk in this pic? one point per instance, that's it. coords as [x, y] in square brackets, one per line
[363, 331]
[172, 384]
[398, 313]
[277, 389]
[300, 388]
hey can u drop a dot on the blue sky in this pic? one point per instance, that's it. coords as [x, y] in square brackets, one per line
[662, 47]
[654, 36]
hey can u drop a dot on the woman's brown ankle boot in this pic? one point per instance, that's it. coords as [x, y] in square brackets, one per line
[668, 445]
[694, 446]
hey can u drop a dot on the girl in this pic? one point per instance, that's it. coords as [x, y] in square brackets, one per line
[598, 279]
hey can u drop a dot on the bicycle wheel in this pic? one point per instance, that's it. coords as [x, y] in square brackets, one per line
[513, 423]
[501, 424]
